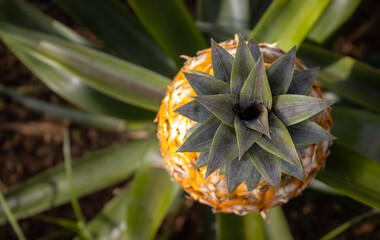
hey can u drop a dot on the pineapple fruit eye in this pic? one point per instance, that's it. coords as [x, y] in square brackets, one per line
[250, 113]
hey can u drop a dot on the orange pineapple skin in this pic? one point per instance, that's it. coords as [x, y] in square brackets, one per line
[212, 191]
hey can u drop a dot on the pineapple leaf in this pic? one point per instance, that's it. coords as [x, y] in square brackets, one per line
[246, 137]
[280, 72]
[292, 170]
[224, 148]
[256, 87]
[254, 49]
[202, 160]
[237, 171]
[221, 105]
[253, 179]
[204, 85]
[307, 132]
[200, 140]
[191, 130]
[267, 164]
[302, 81]
[222, 170]
[241, 67]
[221, 62]
[260, 123]
[292, 109]
[195, 111]
[281, 143]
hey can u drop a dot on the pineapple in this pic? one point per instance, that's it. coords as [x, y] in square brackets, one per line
[244, 127]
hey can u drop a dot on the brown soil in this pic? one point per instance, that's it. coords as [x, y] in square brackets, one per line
[31, 142]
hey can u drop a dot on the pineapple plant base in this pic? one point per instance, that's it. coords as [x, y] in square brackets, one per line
[212, 188]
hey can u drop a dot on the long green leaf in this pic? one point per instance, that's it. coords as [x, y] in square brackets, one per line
[346, 225]
[69, 178]
[288, 21]
[354, 80]
[231, 226]
[169, 22]
[120, 79]
[70, 85]
[335, 15]
[276, 226]
[11, 219]
[76, 116]
[127, 37]
[152, 193]
[91, 173]
[20, 12]
[234, 13]
[110, 222]
[364, 130]
[352, 174]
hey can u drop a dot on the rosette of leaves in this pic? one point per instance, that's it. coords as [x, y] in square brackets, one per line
[251, 119]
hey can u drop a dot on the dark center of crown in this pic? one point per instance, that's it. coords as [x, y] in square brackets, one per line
[252, 112]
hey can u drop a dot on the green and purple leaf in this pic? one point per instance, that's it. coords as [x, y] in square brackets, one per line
[220, 105]
[221, 62]
[200, 140]
[254, 49]
[302, 81]
[195, 111]
[307, 132]
[205, 85]
[253, 179]
[281, 143]
[292, 109]
[267, 164]
[241, 67]
[260, 123]
[256, 87]
[292, 170]
[246, 137]
[224, 148]
[237, 171]
[280, 72]
[202, 160]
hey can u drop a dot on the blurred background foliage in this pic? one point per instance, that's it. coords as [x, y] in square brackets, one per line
[80, 84]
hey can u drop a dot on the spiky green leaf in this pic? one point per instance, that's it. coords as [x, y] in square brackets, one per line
[220, 105]
[308, 132]
[302, 81]
[292, 109]
[246, 137]
[256, 87]
[236, 171]
[195, 111]
[224, 148]
[260, 123]
[221, 62]
[267, 164]
[254, 49]
[202, 160]
[241, 67]
[253, 179]
[280, 72]
[292, 170]
[281, 143]
[205, 85]
[200, 140]
[191, 130]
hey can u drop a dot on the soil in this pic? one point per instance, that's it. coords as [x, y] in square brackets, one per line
[31, 142]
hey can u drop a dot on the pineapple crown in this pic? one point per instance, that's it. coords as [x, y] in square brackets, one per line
[251, 120]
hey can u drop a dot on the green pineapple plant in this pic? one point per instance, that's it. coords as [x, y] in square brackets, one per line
[130, 88]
